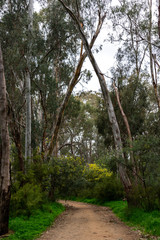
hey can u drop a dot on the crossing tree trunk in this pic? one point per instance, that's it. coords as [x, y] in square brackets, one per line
[71, 86]
[108, 102]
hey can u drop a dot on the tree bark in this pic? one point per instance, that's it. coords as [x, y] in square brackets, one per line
[134, 168]
[28, 118]
[4, 154]
[115, 128]
[154, 77]
[159, 19]
[28, 87]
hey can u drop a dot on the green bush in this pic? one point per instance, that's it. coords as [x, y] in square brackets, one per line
[26, 199]
[108, 189]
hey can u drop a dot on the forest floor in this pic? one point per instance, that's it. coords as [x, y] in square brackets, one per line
[83, 221]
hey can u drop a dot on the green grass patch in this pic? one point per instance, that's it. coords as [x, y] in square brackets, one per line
[148, 221]
[29, 228]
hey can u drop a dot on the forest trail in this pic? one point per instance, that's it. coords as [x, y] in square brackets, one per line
[83, 221]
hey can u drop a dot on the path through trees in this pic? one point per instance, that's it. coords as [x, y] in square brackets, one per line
[84, 221]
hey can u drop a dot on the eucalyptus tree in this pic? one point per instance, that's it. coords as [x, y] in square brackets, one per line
[135, 29]
[79, 135]
[14, 40]
[28, 83]
[4, 154]
[115, 128]
[130, 23]
[79, 6]
[54, 66]
[153, 56]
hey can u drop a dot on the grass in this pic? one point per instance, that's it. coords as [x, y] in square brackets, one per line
[29, 228]
[149, 222]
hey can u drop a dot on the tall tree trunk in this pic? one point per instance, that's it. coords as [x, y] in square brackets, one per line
[134, 168]
[28, 118]
[154, 82]
[28, 87]
[4, 154]
[16, 134]
[115, 128]
[159, 19]
[71, 86]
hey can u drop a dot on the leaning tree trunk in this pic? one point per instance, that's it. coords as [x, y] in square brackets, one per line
[115, 128]
[4, 155]
[71, 86]
[134, 167]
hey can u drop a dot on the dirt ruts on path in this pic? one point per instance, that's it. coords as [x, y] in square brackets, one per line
[88, 222]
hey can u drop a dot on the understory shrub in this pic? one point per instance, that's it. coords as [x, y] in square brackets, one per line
[110, 188]
[27, 199]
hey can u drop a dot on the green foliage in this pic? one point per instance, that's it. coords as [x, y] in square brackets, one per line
[30, 228]
[101, 184]
[146, 151]
[108, 189]
[73, 108]
[25, 200]
[134, 100]
[67, 175]
[96, 173]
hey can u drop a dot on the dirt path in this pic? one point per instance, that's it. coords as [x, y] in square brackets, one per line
[88, 222]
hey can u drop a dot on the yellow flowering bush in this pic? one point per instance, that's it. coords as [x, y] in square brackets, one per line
[95, 173]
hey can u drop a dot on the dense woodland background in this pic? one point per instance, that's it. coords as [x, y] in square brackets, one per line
[62, 143]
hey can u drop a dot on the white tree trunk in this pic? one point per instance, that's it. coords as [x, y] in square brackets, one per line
[28, 118]
[28, 87]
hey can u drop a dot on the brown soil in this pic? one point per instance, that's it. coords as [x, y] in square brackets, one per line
[83, 221]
